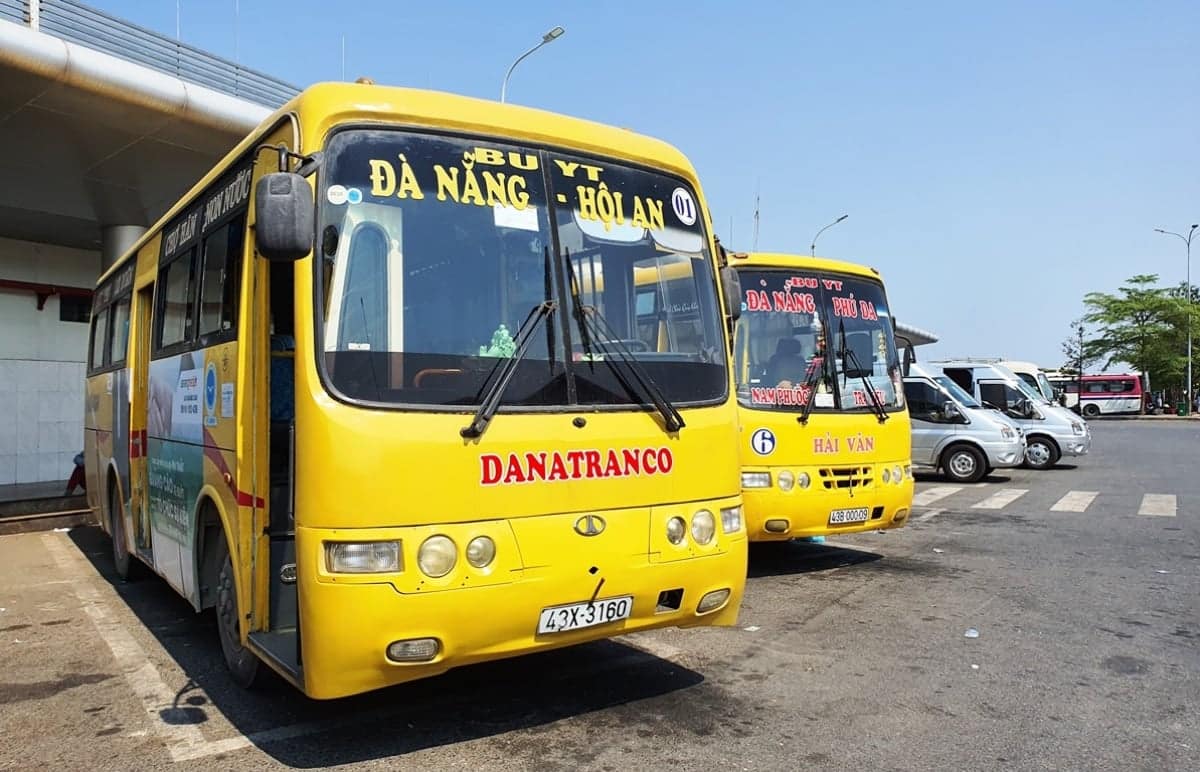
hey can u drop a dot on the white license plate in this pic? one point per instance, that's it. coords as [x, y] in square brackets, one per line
[843, 516]
[575, 616]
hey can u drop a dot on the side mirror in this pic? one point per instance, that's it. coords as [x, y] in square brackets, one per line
[731, 284]
[951, 412]
[1026, 408]
[283, 228]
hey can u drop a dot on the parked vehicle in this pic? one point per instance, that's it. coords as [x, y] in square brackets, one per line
[1051, 431]
[1032, 375]
[1111, 394]
[825, 436]
[1106, 393]
[953, 432]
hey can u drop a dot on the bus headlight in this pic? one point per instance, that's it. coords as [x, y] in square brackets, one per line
[437, 556]
[731, 519]
[786, 480]
[756, 479]
[704, 527]
[897, 474]
[887, 475]
[371, 557]
[481, 551]
[803, 480]
[676, 530]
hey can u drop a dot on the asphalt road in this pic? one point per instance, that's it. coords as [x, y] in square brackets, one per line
[851, 654]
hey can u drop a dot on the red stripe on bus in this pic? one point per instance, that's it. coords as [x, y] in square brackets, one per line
[213, 453]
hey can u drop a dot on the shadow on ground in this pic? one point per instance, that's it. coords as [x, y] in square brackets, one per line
[479, 701]
[781, 558]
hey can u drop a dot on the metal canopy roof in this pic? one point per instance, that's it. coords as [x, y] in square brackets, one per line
[91, 139]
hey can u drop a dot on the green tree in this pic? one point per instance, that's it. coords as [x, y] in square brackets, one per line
[1142, 325]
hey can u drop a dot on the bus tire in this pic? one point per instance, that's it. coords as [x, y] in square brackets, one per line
[964, 464]
[1041, 453]
[123, 562]
[1091, 410]
[242, 663]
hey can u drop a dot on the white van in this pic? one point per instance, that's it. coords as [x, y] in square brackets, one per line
[1051, 431]
[953, 432]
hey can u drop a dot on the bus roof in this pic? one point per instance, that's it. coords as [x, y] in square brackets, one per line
[323, 105]
[780, 260]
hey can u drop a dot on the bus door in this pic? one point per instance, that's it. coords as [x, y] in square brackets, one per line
[139, 367]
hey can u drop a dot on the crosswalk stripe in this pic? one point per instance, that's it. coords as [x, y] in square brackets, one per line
[1001, 499]
[1157, 505]
[1075, 501]
[927, 497]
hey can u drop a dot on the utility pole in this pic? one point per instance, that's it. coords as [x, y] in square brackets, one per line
[1187, 240]
[1079, 373]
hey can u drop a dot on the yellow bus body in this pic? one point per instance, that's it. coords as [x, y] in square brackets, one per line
[364, 474]
[845, 479]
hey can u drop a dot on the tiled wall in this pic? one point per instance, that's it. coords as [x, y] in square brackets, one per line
[41, 363]
[42, 428]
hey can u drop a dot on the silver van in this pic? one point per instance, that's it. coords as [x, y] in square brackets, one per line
[1051, 431]
[952, 432]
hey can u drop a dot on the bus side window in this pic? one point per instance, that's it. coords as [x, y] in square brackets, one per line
[220, 279]
[99, 337]
[120, 331]
[177, 285]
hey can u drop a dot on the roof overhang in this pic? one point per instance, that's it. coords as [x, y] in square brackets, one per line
[93, 140]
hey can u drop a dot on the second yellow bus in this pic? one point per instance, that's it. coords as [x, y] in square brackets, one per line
[825, 440]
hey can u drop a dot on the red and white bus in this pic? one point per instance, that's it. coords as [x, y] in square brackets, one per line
[1109, 394]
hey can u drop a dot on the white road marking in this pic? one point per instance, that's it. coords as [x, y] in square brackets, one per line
[1075, 501]
[1001, 498]
[141, 674]
[928, 515]
[930, 495]
[1157, 505]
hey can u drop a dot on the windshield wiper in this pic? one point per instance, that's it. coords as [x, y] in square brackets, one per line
[493, 388]
[816, 369]
[848, 357]
[593, 325]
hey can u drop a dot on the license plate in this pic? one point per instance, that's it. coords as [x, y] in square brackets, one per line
[843, 516]
[576, 616]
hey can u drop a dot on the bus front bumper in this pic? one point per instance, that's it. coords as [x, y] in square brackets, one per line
[775, 514]
[348, 623]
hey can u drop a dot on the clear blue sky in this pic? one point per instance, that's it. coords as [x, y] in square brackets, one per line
[998, 160]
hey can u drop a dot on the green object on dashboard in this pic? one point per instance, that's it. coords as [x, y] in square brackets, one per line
[502, 344]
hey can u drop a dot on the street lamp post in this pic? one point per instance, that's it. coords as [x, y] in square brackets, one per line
[1187, 240]
[552, 35]
[1079, 373]
[813, 247]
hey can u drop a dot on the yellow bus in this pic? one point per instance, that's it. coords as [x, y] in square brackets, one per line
[825, 437]
[354, 393]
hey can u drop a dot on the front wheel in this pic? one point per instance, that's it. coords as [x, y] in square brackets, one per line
[1040, 453]
[242, 663]
[964, 464]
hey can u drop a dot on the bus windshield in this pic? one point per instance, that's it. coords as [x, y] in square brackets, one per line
[437, 249]
[807, 335]
[956, 391]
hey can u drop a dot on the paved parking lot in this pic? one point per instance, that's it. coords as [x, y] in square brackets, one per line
[1081, 582]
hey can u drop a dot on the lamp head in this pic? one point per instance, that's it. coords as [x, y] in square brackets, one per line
[553, 34]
